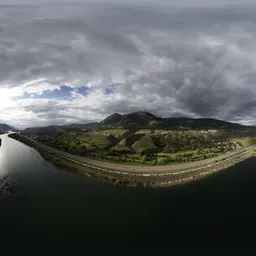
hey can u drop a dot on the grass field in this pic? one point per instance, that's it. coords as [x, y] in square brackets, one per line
[144, 147]
[118, 133]
[247, 141]
[163, 158]
[92, 140]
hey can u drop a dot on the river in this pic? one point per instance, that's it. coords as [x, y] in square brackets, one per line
[48, 210]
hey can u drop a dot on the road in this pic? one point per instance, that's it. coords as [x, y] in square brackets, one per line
[145, 169]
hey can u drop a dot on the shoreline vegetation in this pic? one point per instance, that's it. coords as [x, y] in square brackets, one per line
[142, 150]
[143, 139]
[153, 180]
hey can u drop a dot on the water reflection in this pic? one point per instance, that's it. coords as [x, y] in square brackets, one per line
[54, 211]
[3, 162]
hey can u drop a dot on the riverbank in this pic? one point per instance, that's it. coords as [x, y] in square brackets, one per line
[125, 179]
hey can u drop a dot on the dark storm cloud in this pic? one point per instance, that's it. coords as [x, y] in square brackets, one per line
[192, 58]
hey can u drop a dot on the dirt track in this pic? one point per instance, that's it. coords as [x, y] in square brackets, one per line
[147, 169]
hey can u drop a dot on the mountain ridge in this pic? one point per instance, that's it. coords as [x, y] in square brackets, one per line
[144, 120]
[5, 128]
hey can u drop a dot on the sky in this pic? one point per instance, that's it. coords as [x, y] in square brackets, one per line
[77, 61]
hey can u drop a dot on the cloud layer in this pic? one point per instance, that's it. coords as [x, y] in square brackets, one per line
[64, 62]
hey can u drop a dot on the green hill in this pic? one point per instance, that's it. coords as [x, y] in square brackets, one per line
[137, 120]
[112, 119]
[144, 145]
[132, 138]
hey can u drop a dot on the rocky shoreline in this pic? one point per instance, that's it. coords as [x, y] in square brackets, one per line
[133, 180]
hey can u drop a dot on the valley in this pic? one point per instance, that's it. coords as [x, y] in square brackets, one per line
[181, 141]
[111, 150]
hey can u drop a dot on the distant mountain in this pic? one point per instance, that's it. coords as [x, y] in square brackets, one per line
[79, 126]
[6, 128]
[200, 124]
[133, 120]
[112, 119]
[142, 120]
[138, 119]
[145, 120]
[57, 128]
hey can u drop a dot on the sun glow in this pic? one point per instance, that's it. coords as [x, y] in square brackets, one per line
[5, 98]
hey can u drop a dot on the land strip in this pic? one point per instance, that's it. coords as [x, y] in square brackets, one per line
[154, 175]
[139, 169]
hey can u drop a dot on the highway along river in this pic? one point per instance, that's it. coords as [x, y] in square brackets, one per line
[46, 210]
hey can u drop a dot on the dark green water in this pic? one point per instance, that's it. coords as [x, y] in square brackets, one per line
[51, 211]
